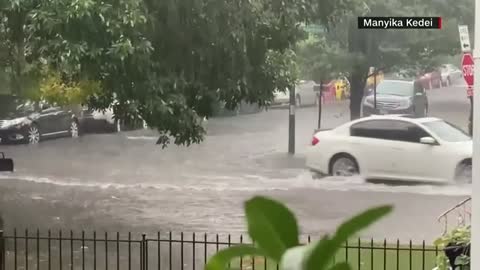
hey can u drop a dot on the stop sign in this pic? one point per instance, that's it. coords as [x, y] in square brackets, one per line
[467, 67]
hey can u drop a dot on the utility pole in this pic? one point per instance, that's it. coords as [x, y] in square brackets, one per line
[475, 228]
[375, 88]
[470, 118]
[320, 105]
[291, 122]
[2, 245]
[467, 62]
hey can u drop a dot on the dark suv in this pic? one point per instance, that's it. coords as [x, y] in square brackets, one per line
[26, 121]
[397, 97]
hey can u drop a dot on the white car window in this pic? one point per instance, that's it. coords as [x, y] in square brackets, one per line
[447, 131]
[393, 130]
[395, 88]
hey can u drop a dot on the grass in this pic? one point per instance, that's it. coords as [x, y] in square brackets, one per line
[367, 257]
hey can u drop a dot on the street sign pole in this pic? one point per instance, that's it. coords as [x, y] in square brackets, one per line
[320, 105]
[466, 49]
[475, 226]
[375, 89]
[291, 122]
[470, 118]
[468, 68]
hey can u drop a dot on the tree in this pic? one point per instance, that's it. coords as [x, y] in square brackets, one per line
[164, 61]
[417, 50]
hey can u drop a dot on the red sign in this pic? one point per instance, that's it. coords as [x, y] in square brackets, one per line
[467, 67]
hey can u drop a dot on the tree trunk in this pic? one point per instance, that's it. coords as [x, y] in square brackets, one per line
[357, 85]
[358, 43]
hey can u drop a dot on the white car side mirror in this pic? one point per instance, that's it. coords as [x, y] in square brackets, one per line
[428, 140]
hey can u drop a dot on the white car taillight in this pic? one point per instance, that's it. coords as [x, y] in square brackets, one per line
[315, 141]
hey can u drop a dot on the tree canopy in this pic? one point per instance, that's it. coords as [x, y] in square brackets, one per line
[342, 48]
[167, 62]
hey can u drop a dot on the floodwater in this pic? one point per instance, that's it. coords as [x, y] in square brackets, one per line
[125, 182]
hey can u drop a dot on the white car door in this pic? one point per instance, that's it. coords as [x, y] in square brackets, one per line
[372, 147]
[413, 160]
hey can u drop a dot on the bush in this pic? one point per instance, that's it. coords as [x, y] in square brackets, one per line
[456, 244]
[55, 89]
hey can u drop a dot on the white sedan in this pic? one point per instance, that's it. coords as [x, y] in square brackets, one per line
[305, 95]
[450, 73]
[393, 147]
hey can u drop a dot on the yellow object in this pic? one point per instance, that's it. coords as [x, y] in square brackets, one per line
[371, 79]
[341, 89]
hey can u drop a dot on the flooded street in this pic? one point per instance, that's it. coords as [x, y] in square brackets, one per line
[125, 182]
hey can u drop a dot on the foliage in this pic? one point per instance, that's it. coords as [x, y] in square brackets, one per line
[274, 230]
[54, 89]
[168, 62]
[321, 59]
[458, 236]
[342, 47]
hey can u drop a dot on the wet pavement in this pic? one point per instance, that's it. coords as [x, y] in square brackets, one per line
[124, 182]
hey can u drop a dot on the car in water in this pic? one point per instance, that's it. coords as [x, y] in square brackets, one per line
[27, 121]
[305, 95]
[430, 80]
[450, 73]
[98, 121]
[396, 97]
[398, 147]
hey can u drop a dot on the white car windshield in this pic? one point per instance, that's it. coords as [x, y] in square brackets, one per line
[395, 88]
[447, 131]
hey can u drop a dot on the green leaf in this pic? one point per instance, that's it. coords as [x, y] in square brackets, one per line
[361, 221]
[341, 266]
[326, 249]
[271, 225]
[220, 260]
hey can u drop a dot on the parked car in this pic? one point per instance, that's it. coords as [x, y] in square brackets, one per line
[449, 74]
[305, 95]
[97, 121]
[26, 121]
[397, 97]
[393, 148]
[430, 80]
[372, 80]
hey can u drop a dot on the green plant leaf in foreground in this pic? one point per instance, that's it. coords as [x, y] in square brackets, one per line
[220, 260]
[325, 249]
[271, 225]
[341, 266]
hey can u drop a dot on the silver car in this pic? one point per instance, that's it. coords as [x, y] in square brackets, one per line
[305, 95]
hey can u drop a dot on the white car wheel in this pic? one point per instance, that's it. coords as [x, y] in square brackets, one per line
[463, 173]
[33, 134]
[74, 130]
[344, 166]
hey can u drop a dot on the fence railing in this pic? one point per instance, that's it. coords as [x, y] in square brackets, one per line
[458, 215]
[71, 251]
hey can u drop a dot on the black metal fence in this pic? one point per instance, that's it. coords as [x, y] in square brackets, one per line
[71, 251]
